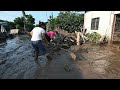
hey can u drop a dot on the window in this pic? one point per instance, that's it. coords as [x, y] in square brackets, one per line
[95, 23]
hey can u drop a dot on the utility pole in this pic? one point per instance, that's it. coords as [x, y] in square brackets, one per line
[52, 15]
[24, 15]
[46, 15]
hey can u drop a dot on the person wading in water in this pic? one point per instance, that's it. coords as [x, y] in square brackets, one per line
[38, 35]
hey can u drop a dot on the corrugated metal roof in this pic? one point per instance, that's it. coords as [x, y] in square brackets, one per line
[4, 23]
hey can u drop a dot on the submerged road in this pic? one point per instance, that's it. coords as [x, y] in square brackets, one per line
[94, 62]
[16, 59]
[17, 62]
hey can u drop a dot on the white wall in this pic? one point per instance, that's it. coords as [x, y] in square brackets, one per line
[105, 23]
[14, 31]
[116, 12]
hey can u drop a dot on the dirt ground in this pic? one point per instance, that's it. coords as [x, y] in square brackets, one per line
[83, 62]
[100, 63]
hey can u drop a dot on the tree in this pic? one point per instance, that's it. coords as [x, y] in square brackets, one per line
[11, 25]
[67, 20]
[29, 23]
[52, 23]
[19, 22]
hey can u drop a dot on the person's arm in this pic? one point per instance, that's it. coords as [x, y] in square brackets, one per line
[44, 38]
[29, 33]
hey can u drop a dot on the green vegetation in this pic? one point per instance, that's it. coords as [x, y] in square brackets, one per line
[93, 37]
[66, 20]
[18, 23]
[29, 23]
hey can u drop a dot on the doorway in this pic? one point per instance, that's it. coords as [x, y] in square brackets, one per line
[116, 29]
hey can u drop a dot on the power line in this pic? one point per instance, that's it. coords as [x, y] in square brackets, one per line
[46, 15]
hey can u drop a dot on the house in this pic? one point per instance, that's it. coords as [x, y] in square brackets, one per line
[3, 34]
[4, 23]
[106, 23]
[3, 29]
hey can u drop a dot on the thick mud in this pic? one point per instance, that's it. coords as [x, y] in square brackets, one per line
[86, 61]
[17, 62]
[101, 62]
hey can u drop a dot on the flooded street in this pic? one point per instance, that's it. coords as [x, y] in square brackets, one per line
[16, 59]
[92, 62]
[17, 62]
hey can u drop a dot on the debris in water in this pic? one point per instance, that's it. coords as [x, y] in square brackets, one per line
[67, 68]
[73, 56]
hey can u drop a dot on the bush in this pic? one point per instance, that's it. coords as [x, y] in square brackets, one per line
[93, 37]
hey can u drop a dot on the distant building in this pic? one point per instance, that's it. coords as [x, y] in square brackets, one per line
[14, 31]
[3, 29]
[3, 23]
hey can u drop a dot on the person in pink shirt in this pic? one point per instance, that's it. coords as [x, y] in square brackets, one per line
[50, 35]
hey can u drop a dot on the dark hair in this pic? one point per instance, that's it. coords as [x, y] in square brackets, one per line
[43, 25]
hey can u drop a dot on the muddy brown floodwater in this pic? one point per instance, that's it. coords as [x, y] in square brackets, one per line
[17, 62]
[91, 61]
